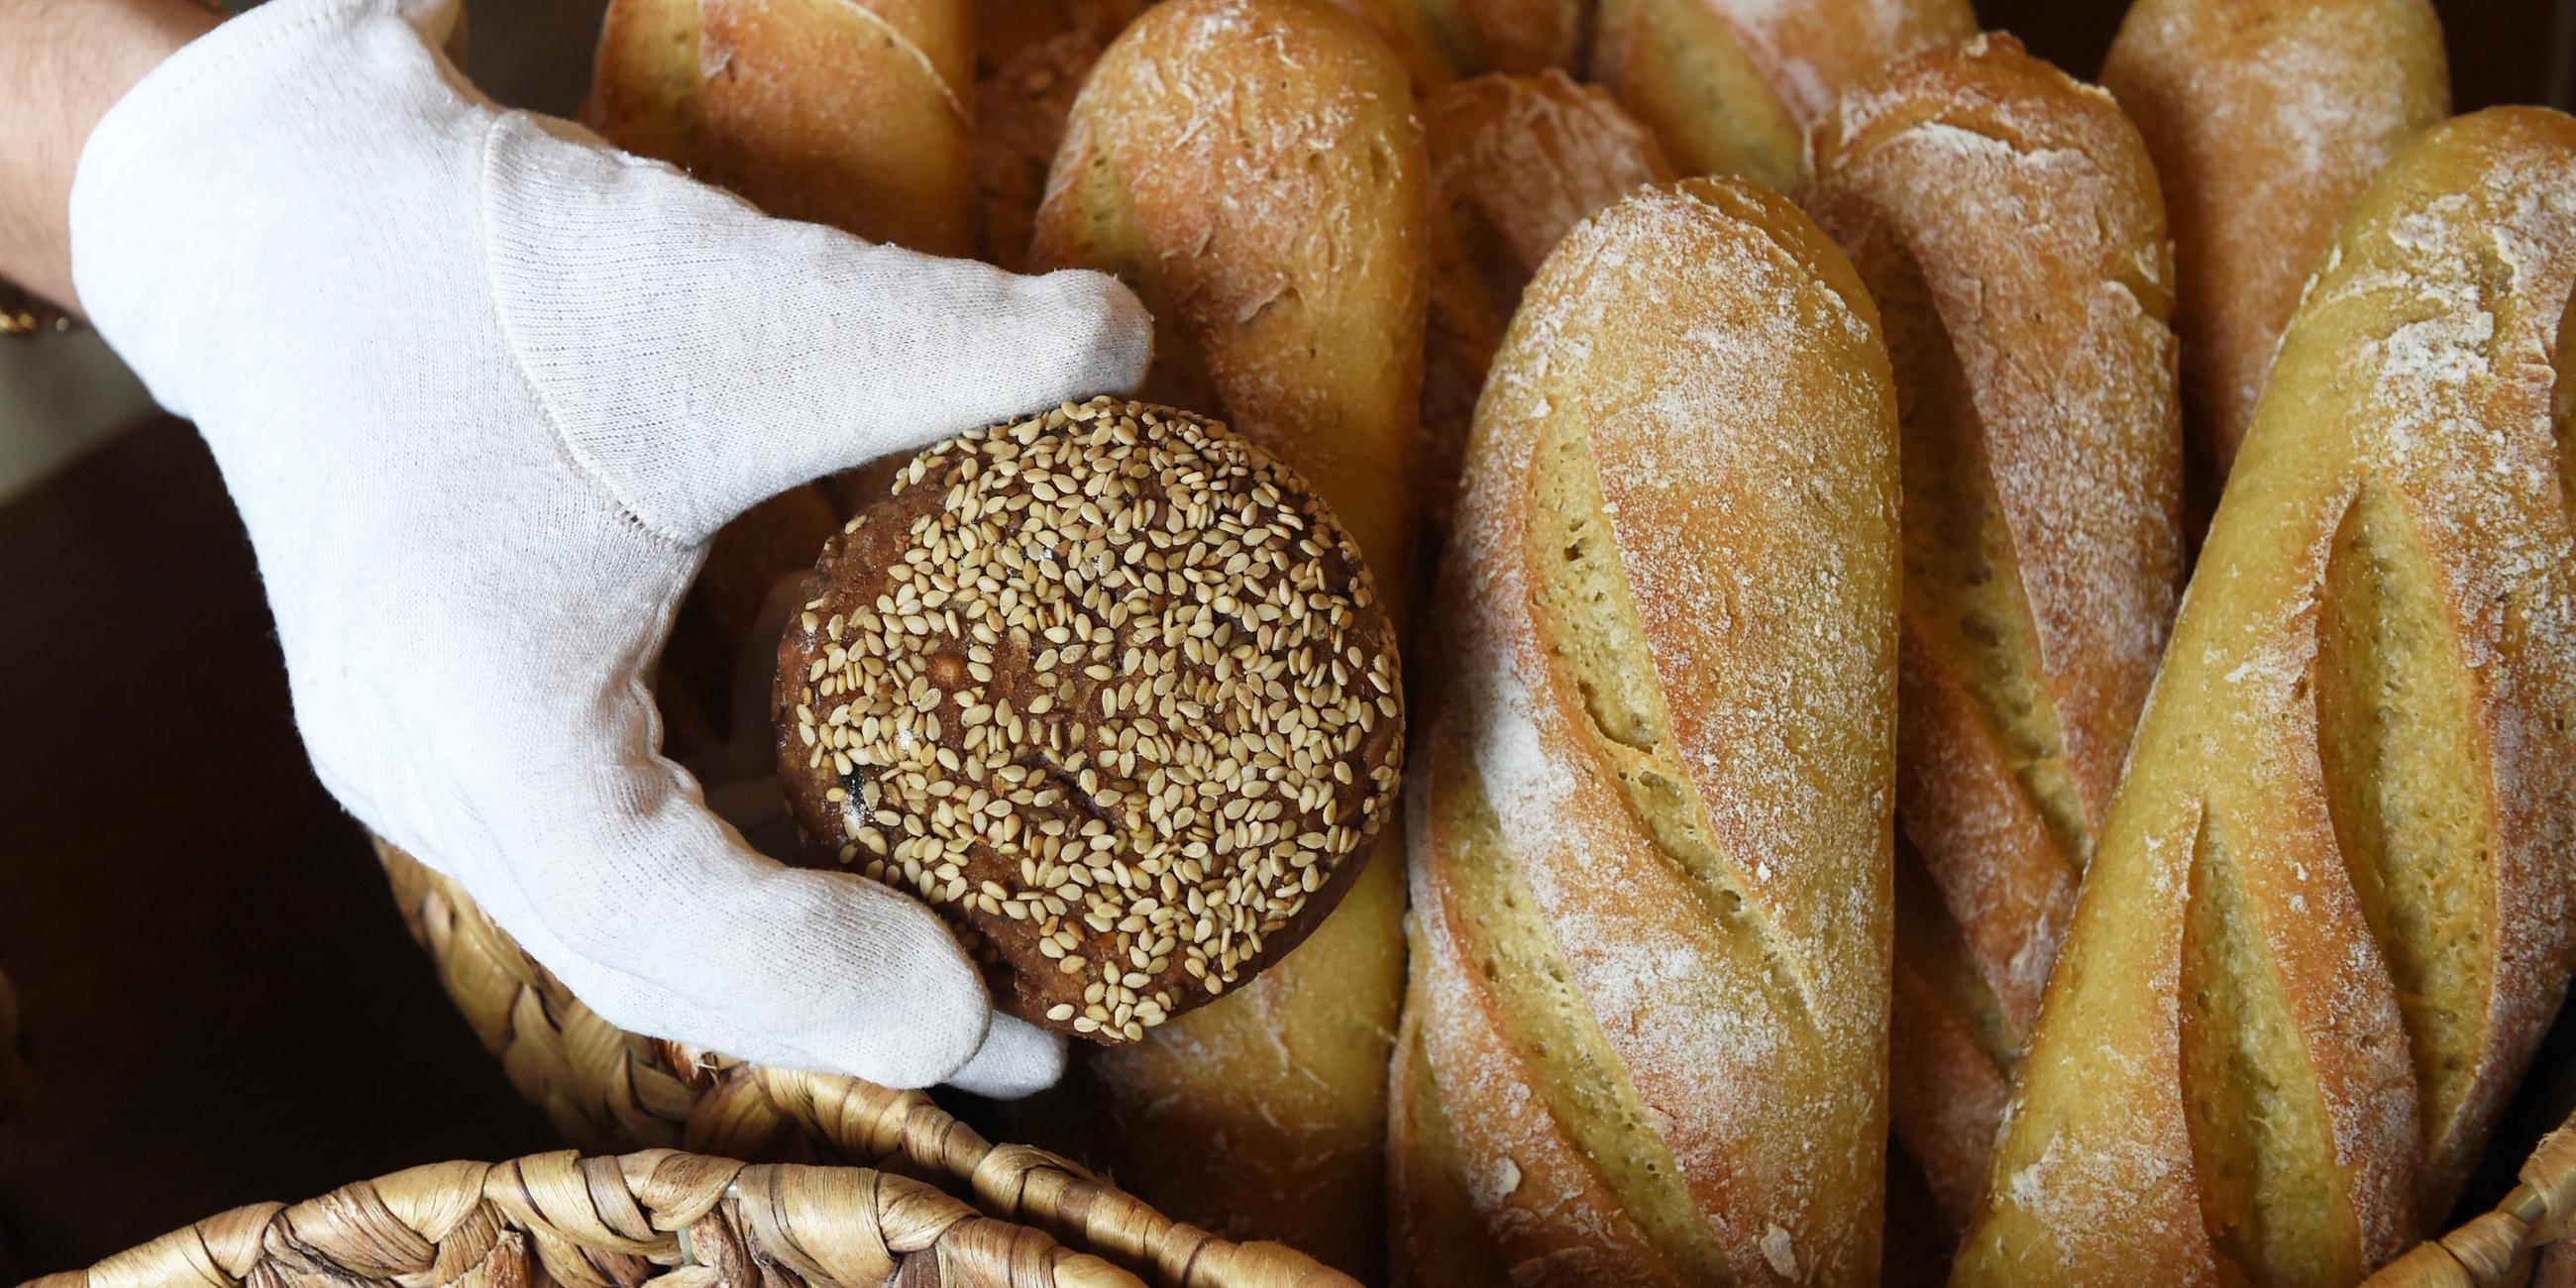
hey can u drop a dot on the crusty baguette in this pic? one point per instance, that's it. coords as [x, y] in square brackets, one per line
[1731, 85]
[2006, 220]
[2265, 118]
[1515, 162]
[1274, 223]
[2328, 918]
[1646, 1039]
[843, 113]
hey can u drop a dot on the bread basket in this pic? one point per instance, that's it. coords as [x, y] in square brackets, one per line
[562, 1218]
[608, 1090]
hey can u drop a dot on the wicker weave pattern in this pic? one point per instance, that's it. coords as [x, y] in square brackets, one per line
[560, 1218]
[607, 1089]
[2496, 1250]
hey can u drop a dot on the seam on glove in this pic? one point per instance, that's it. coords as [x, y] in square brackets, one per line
[573, 455]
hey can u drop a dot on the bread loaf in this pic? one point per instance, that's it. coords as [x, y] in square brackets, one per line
[2265, 118]
[2328, 918]
[1274, 225]
[1646, 1033]
[2007, 222]
[1515, 161]
[836, 112]
[1731, 85]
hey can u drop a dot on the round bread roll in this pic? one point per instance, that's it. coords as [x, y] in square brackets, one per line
[1111, 690]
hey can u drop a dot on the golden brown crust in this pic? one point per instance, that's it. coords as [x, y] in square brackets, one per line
[2008, 221]
[2265, 119]
[1652, 840]
[1730, 85]
[1275, 228]
[2334, 889]
[1110, 690]
[1515, 162]
[834, 111]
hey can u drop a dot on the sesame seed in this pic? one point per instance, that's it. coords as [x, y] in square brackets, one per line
[1119, 681]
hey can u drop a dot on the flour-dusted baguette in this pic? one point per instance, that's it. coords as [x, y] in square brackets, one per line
[1732, 85]
[1515, 162]
[1253, 169]
[2007, 222]
[2329, 917]
[2265, 118]
[1646, 1038]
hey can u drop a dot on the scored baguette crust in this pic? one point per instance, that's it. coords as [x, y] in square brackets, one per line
[1647, 1034]
[1730, 85]
[1515, 162]
[1274, 226]
[2333, 893]
[2265, 119]
[2007, 220]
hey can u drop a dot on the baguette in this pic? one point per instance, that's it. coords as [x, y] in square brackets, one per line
[840, 113]
[2006, 219]
[1732, 85]
[1646, 1038]
[1274, 224]
[2265, 118]
[1515, 162]
[2333, 894]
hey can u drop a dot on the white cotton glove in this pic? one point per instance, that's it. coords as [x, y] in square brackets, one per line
[483, 388]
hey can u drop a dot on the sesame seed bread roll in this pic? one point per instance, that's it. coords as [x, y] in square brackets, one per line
[1110, 690]
[2265, 119]
[2328, 918]
[2006, 219]
[1732, 85]
[831, 111]
[1515, 162]
[1273, 222]
[1645, 1039]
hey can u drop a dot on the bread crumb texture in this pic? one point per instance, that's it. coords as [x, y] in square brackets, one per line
[1111, 691]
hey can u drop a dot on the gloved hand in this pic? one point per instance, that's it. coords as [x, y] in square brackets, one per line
[483, 388]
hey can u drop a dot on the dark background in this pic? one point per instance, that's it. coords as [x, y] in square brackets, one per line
[220, 1003]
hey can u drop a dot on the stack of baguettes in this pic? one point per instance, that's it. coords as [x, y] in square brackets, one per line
[1810, 543]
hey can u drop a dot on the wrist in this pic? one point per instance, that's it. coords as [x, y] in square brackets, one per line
[63, 63]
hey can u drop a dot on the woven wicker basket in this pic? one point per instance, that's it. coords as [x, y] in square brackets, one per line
[679, 1219]
[609, 1090]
